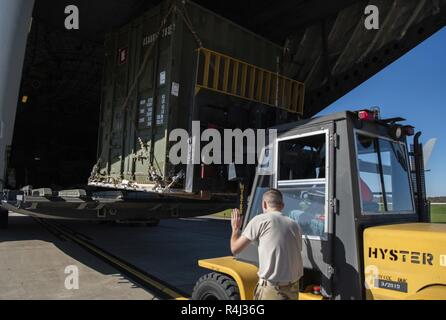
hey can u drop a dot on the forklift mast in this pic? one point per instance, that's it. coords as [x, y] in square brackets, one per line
[419, 181]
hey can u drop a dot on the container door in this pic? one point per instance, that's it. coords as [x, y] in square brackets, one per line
[153, 98]
[119, 113]
[105, 125]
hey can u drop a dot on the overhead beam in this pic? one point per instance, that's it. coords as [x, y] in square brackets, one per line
[287, 21]
[383, 30]
[318, 99]
[336, 41]
[359, 35]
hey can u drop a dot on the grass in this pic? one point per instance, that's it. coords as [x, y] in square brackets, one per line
[223, 214]
[438, 213]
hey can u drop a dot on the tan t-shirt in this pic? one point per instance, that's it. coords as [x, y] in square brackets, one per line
[280, 246]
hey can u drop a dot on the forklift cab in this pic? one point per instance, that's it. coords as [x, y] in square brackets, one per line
[339, 174]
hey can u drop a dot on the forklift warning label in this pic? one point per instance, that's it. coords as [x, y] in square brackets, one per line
[391, 285]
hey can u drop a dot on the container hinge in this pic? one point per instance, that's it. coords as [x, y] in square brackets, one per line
[334, 138]
[334, 203]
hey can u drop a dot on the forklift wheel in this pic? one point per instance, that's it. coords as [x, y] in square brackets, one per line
[215, 286]
[4, 218]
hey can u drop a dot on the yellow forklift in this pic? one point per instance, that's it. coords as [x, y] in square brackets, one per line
[358, 195]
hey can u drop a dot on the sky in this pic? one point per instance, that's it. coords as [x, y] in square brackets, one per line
[413, 87]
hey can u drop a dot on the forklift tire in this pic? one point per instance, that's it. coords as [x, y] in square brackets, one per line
[4, 216]
[215, 286]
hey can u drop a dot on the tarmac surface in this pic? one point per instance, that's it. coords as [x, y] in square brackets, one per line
[33, 261]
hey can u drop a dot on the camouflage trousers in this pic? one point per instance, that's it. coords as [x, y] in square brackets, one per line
[266, 291]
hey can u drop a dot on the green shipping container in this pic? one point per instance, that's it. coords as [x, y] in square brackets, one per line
[174, 64]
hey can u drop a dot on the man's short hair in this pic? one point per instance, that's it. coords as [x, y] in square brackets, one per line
[273, 198]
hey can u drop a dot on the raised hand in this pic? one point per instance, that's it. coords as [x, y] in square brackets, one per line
[236, 220]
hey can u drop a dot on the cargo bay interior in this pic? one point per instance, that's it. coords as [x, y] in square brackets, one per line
[325, 46]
